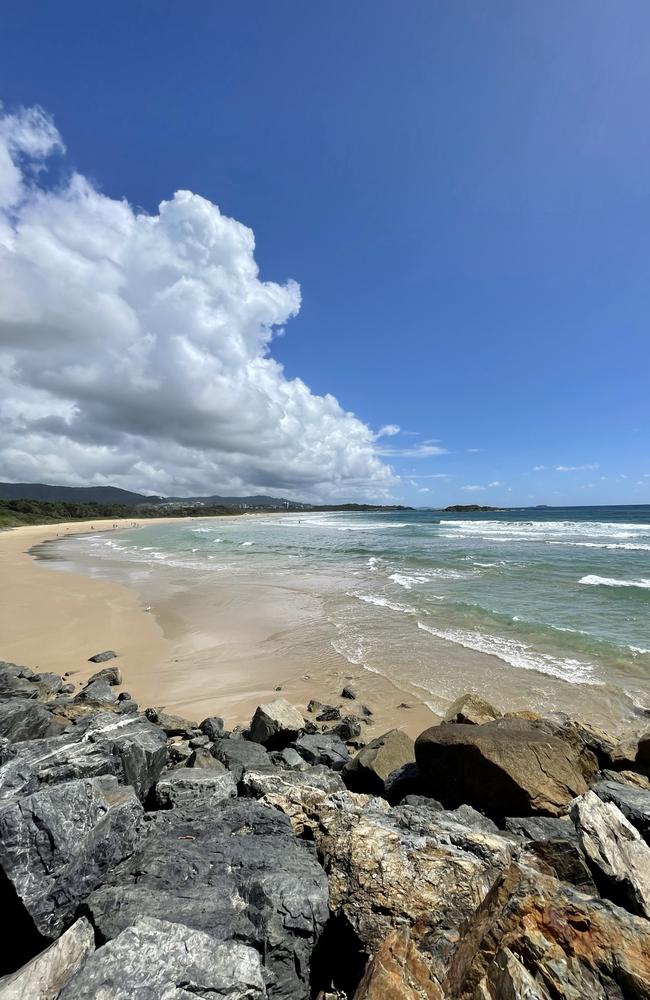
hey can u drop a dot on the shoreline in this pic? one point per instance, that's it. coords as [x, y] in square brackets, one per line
[228, 670]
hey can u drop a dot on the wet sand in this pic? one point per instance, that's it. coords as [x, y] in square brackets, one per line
[200, 651]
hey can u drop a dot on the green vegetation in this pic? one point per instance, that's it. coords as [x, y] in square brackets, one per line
[13, 513]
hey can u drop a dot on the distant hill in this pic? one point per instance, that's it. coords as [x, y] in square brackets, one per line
[115, 495]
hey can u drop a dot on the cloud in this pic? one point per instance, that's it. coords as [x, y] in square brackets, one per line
[477, 489]
[538, 468]
[424, 489]
[389, 430]
[576, 468]
[474, 451]
[430, 475]
[424, 450]
[134, 348]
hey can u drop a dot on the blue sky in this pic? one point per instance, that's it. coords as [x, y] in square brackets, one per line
[460, 189]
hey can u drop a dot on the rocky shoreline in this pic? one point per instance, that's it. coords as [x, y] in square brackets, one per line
[145, 856]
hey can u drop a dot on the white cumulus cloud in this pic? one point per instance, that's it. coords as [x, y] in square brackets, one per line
[134, 348]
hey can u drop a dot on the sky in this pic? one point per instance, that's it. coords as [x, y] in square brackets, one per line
[348, 251]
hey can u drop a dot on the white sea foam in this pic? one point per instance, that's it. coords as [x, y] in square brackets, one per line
[247, 543]
[406, 581]
[516, 653]
[409, 580]
[382, 602]
[638, 650]
[591, 580]
[625, 546]
[543, 531]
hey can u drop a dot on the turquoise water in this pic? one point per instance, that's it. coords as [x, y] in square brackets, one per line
[555, 595]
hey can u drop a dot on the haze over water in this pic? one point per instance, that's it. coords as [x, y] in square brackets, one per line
[544, 607]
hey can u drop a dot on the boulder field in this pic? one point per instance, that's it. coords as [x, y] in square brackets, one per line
[145, 856]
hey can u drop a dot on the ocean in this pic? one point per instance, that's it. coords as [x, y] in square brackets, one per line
[542, 607]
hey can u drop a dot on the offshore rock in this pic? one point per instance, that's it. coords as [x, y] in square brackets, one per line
[370, 770]
[234, 871]
[159, 960]
[57, 844]
[472, 710]
[616, 852]
[44, 976]
[192, 784]
[633, 802]
[276, 724]
[510, 767]
[323, 748]
[129, 747]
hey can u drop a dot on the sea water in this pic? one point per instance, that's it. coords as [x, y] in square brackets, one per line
[548, 596]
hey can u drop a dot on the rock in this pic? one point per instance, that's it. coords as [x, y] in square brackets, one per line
[367, 712]
[276, 724]
[240, 756]
[263, 783]
[314, 706]
[112, 675]
[46, 974]
[26, 719]
[403, 781]
[471, 709]
[619, 857]
[204, 760]
[348, 728]
[234, 871]
[556, 843]
[397, 972]
[182, 753]
[190, 784]
[572, 945]
[328, 713]
[289, 760]
[159, 960]
[510, 767]
[371, 768]
[627, 777]
[633, 802]
[68, 689]
[540, 828]
[173, 725]
[129, 747]
[108, 654]
[98, 692]
[349, 692]
[322, 748]
[57, 844]
[213, 727]
[127, 707]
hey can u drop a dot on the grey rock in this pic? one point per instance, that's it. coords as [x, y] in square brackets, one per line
[348, 728]
[180, 753]
[26, 719]
[98, 692]
[403, 781]
[555, 841]
[259, 783]
[173, 725]
[201, 742]
[289, 759]
[205, 760]
[191, 784]
[57, 844]
[112, 675]
[371, 768]
[328, 713]
[633, 802]
[234, 871]
[213, 727]
[542, 827]
[240, 755]
[616, 852]
[160, 960]
[67, 689]
[129, 747]
[127, 707]
[314, 706]
[108, 654]
[48, 683]
[46, 974]
[322, 748]
[275, 724]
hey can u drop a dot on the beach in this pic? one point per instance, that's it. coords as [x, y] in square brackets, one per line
[196, 653]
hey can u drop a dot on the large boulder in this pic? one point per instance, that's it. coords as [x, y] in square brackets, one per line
[257, 784]
[234, 871]
[323, 748]
[26, 719]
[240, 756]
[129, 747]
[190, 784]
[47, 973]
[616, 852]
[57, 844]
[472, 710]
[510, 767]
[555, 842]
[159, 960]
[276, 724]
[370, 770]
[634, 803]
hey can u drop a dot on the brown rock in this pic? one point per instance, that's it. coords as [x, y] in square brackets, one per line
[510, 767]
[369, 770]
[397, 972]
[472, 710]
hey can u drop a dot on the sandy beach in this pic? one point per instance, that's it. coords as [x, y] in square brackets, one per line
[194, 653]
